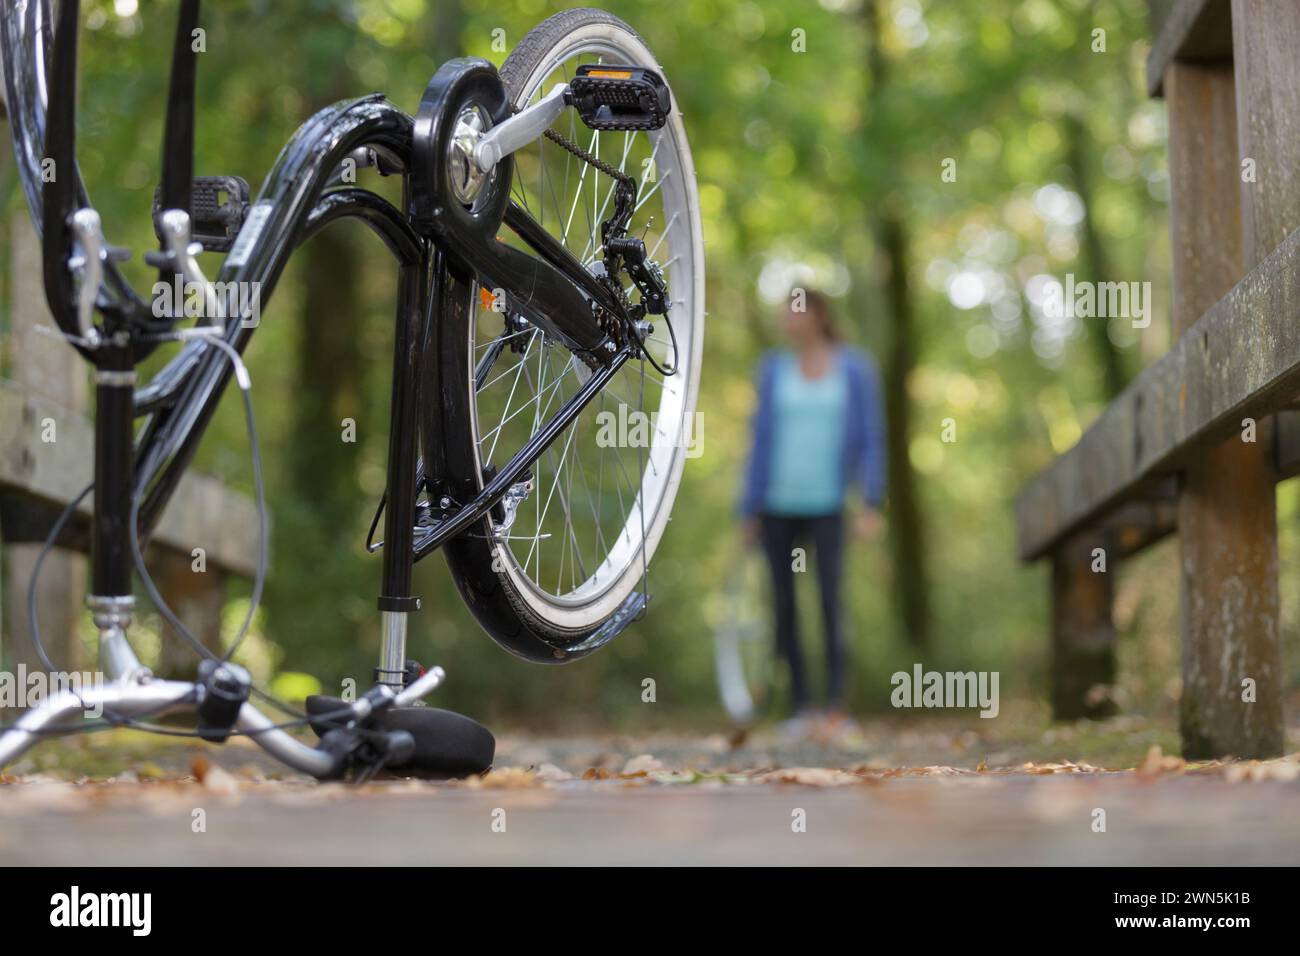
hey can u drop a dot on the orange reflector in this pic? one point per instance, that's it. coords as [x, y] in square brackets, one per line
[486, 299]
[610, 74]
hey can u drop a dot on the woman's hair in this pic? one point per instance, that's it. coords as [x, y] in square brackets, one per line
[818, 305]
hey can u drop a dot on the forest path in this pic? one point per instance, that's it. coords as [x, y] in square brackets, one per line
[666, 799]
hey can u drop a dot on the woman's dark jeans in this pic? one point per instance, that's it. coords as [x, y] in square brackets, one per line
[780, 536]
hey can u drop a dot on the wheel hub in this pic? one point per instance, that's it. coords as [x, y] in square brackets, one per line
[466, 179]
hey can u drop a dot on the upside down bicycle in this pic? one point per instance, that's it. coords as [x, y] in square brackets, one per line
[549, 263]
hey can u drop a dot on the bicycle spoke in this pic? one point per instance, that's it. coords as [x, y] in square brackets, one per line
[594, 511]
[662, 236]
[582, 178]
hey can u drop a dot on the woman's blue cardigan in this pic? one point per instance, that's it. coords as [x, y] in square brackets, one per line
[863, 459]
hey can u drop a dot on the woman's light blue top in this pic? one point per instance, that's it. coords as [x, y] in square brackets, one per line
[860, 450]
[808, 440]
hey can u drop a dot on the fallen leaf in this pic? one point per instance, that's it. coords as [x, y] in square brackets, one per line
[1284, 770]
[1156, 764]
[218, 781]
[641, 765]
[199, 765]
[510, 778]
[811, 777]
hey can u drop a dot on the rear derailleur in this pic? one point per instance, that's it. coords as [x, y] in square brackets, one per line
[627, 254]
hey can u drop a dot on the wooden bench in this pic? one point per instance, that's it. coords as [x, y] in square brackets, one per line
[1170, 453]
[46, 395]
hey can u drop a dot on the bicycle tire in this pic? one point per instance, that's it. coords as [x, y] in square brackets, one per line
[515, 612]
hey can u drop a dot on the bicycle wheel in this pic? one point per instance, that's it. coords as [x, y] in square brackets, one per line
[571, 553]
[742, 649]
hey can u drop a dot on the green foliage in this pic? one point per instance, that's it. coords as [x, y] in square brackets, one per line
[791, 161]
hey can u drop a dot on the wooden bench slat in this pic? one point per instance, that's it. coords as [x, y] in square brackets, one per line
[1241, 359]
[1193, 30]
[202, 514]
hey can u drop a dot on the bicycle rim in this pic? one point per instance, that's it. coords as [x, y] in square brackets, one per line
[602, 493]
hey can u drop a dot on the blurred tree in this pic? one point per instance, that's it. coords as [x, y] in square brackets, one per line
[329, 375]
[906, 526]
[1093, 257]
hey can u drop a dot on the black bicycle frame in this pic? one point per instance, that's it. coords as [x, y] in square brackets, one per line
[434, 301]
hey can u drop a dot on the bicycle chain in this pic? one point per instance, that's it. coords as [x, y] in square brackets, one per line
[616, 225]
[624, 194]
[596, 161]
[609, 324]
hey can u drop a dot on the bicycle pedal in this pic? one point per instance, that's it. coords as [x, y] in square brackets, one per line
[217, 208]
[612, 97]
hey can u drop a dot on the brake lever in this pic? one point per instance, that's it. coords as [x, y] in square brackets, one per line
[179, 253]
[90, 252]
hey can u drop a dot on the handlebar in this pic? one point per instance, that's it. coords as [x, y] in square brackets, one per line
[422, 688]
[155, 698]
[288, 197]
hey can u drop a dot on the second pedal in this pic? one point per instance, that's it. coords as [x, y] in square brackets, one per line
[219, 204]
[611, 97]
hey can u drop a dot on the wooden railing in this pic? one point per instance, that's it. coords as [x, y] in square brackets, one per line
[1199, 440]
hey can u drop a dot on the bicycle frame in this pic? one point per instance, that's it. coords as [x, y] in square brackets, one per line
[435, 271]
[439, 258]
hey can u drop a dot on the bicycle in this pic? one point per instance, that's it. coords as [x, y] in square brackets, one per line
[742, 651]
[508, 340]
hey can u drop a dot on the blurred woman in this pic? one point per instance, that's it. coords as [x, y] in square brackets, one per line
[818, 432]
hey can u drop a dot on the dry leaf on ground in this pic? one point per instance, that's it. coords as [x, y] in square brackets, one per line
[507, 778]
[219, 781]
[1156, 763]
[810, 777]
[1284, 770]
[549, 773]
[641, 765]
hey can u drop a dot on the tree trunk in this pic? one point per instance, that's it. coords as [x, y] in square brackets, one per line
[906, 526]
[315, 544]
[1093, 257]
[329, 374]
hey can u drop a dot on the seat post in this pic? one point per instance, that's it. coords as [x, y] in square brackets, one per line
[111, 600]
[396, 602]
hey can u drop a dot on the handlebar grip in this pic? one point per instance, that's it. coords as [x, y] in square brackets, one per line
[421, 688]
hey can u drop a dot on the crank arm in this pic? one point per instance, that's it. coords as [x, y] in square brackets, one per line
[462, 213]
[521, 129]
